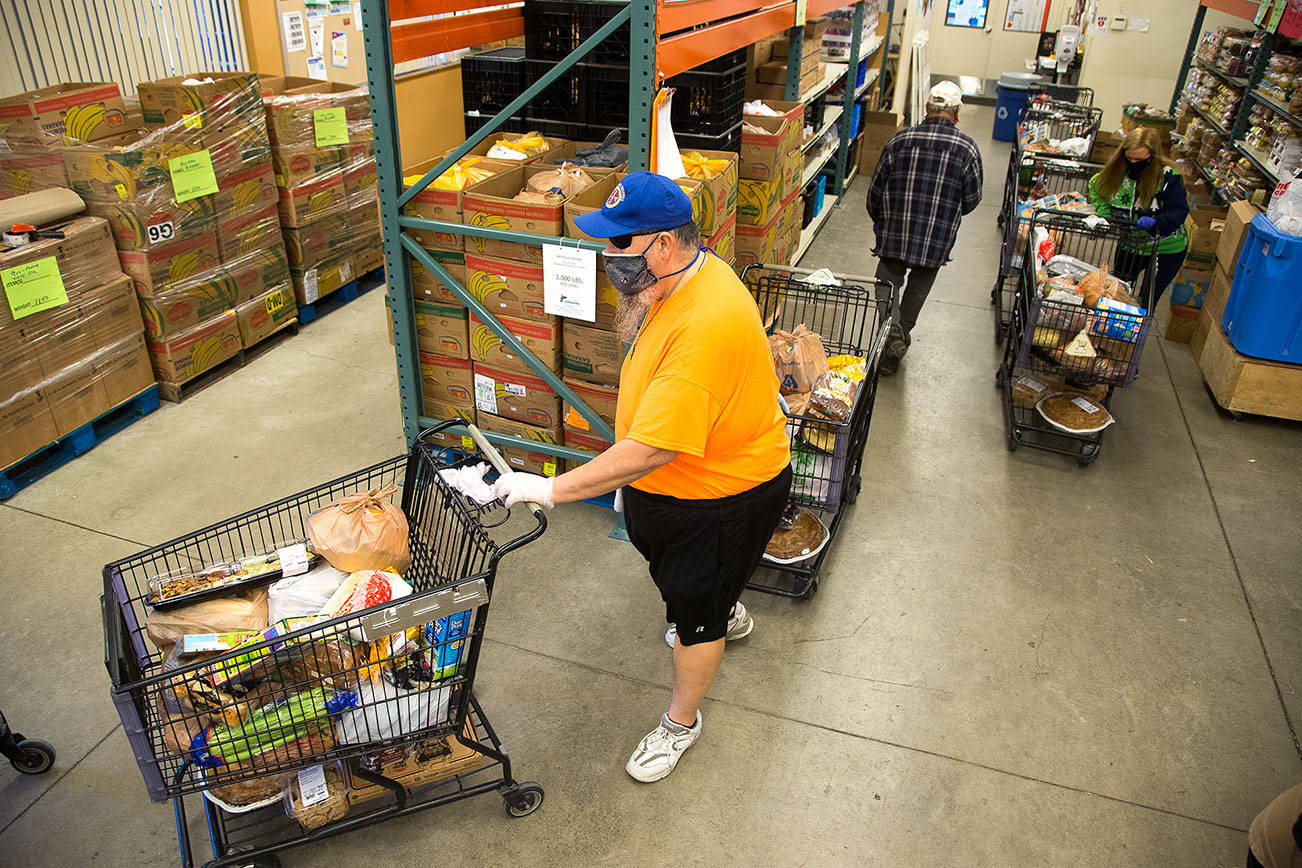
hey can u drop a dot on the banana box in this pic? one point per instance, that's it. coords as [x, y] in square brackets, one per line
[261, 317]
[125, 167]
[310, 244]
[792, 215]
[521, 458]
[214, 98]
[364, 218]
[522, 397]
[447, 410]
[322, 279]
[427, 287]
[506, 286]
[722, 242]
[765, 143]
[602, 399]
[447, 380]
[441, 329]
[543, 339]
[361, 184]
[292, 106]
[253, 189]
[168, 265]
[27, 171]
[302, 205]
[152, 221]
[758, 201]
[234, 156]
[170, 312]
[257, 272]
[592, 355]
[299, 163]
[84, 111]
[765, 244]
[240, 236]
[491, 203]
[540, 157]
[196, 350]
[713, 199]
[587, 201]
[369, 256]
[585, 442]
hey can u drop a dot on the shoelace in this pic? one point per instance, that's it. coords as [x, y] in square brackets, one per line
[660, 741]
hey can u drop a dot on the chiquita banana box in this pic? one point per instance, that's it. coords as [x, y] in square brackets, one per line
[506, 286]
[192, 352]
[82, 111]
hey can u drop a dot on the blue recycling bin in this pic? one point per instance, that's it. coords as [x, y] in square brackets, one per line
[1012, 93]
[1264, 314]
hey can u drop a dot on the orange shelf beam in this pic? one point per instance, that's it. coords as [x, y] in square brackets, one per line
[686, 14]
[1246, 9]
[688, 50]
[413, 41]
[819, 8]
[400, 10]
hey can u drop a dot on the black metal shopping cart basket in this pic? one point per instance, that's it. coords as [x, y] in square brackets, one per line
[1069, 93]
[341, 702]
[1037, 176]
[1041, 124]
[826, 455]
[1039, 357]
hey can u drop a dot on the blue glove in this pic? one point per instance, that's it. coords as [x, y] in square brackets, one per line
[1145, 223]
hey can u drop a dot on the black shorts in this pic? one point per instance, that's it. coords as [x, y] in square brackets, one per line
[702, 552]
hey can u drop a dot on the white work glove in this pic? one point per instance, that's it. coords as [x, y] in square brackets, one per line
[513, 488]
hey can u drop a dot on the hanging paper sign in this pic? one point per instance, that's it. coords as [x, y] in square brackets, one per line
[570, 282]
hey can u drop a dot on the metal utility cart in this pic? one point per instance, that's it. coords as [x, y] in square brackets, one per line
[827, 456]
[350, 695]
[1069, 93]
[1041, 327]
[1057, 121]
[31, 756]
[1037, 175]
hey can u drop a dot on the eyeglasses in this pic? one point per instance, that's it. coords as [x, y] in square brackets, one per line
[621, 242]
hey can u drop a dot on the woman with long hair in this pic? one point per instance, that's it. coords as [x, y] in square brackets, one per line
[1141, 184]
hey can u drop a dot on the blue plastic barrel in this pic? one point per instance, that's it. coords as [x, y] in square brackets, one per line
[1012, 93]
[1264, 314]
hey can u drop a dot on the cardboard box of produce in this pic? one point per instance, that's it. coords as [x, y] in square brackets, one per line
[1236, 230]
[237, 148]
[169, 265]
[86, 111]
[254, 189]
[763, 155]
[767, 244]
[291, 106]
[585, 442]
[368, 257]
[1105, 143]
[322, 279]
[313, 200]
[425, 286]
[30, 172]
[257, 272]
[446, 410]
[447, 380]
[252, 231]
[191, 353]
[602, 399]
[587, 201]
[491, 204]
[506, 286]
[442, 329]
[306, 246]
[717, 196]
[1190, 286]
[723, 242]
[60, 341]
[361, 183]
[758, 201]
[522, 459]
[543, 339]
[299, 164]
[1180, 327]
[1204, 226]
[221, 95]
[416, 765]
[435, 204]
[522, 397]
[265, 315]
[592, 355]
[124, 369]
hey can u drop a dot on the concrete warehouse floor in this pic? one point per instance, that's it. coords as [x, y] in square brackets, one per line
[1012, 660]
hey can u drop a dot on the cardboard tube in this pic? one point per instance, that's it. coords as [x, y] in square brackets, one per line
[40, 208]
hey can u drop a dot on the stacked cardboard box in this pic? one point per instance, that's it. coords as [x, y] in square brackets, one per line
[878, 127]
[767, 62]
[1189, 289]
[769, 206]
[71, 339]
[35, 125]
[323, 151]
[712, 186]
[191, 202]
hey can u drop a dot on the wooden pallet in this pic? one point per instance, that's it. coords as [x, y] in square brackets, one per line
[178, 392]
[1242, 384]
[47, 459]
[341, 296]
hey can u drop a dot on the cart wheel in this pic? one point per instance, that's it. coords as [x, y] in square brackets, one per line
[852, 490]
[1088, 454]
[528, 796]
[35, 758]
[1012, 442]
[272, 861]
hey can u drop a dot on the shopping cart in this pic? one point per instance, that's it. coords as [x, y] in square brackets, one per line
[827, 456]
[1068, 93]
[357, 696]
[1037, 176]
[31, 756]
[1041, 124]
[1036, 360]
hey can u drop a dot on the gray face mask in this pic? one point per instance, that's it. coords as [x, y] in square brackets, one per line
[629, 272]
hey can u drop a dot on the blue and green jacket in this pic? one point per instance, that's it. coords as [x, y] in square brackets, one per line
[1169, 208]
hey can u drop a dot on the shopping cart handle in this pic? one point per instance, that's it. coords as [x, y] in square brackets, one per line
[495, 458]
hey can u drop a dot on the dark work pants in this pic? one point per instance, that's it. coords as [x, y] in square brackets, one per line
[907, 304]
[1129, 263]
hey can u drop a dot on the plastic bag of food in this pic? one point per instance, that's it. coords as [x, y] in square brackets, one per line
[244, 611]
[854, 367]
[518, 148]
[702, 167]
[1285, 209]
[385, 711]
[317, 795]
[833, 395]
[567, 180]
[362, 532]
[303, 595]
[798, 357]
[462, 174]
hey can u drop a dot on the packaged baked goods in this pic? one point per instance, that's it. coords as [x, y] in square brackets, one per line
[799, 536]
[1075, 414]
[317, 795]
[240, 612]
[833, 395]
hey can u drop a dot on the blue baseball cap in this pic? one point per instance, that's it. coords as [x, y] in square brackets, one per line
[642, 202]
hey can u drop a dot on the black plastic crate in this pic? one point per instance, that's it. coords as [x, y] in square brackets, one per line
[554, 28]
[489, 81]
[512, 124]
[563, 99]
[568, 130]
[728, 141]
[727, 63]
[705, 104]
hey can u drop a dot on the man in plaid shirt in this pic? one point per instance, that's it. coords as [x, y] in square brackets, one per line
[927, 178]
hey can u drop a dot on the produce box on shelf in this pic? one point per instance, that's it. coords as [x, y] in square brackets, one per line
[1238, 217]
[427, 287]
[592, 355]
[601, 398]
[1204, 227]
[523, 459]
[447, 380]
[442, 329]
[758, 201]
[586, 442]
[522, 397]
[764, 155]
[723, 242]
[507, 286]
[491, 203]
[714, 197]
[543, 339]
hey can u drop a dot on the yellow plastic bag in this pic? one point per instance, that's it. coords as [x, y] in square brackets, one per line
[702, 167]
[854, 367]
[461, 175]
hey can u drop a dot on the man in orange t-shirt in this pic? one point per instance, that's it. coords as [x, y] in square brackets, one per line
[701, 449]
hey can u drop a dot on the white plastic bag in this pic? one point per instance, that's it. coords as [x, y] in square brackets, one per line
[1286, 207]
[299, 596]
[384, 711]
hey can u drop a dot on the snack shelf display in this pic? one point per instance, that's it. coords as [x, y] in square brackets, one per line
[1076, 333]
[319, 723]
[828, 433]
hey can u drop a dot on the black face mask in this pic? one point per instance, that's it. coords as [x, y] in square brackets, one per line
[1135, 171]
[630, 273]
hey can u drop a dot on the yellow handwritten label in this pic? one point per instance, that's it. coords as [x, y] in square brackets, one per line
[192, 176]
[330, 126]
[33, 287]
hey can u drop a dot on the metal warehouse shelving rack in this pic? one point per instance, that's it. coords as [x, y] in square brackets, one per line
[666, 37]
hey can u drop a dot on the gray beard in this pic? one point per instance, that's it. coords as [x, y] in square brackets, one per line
[629, 313]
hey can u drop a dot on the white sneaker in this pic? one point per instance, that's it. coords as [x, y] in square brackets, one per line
[740, 623]
[658, 753]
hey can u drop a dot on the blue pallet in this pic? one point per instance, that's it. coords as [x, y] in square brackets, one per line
[341, 296]
[21, 474]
